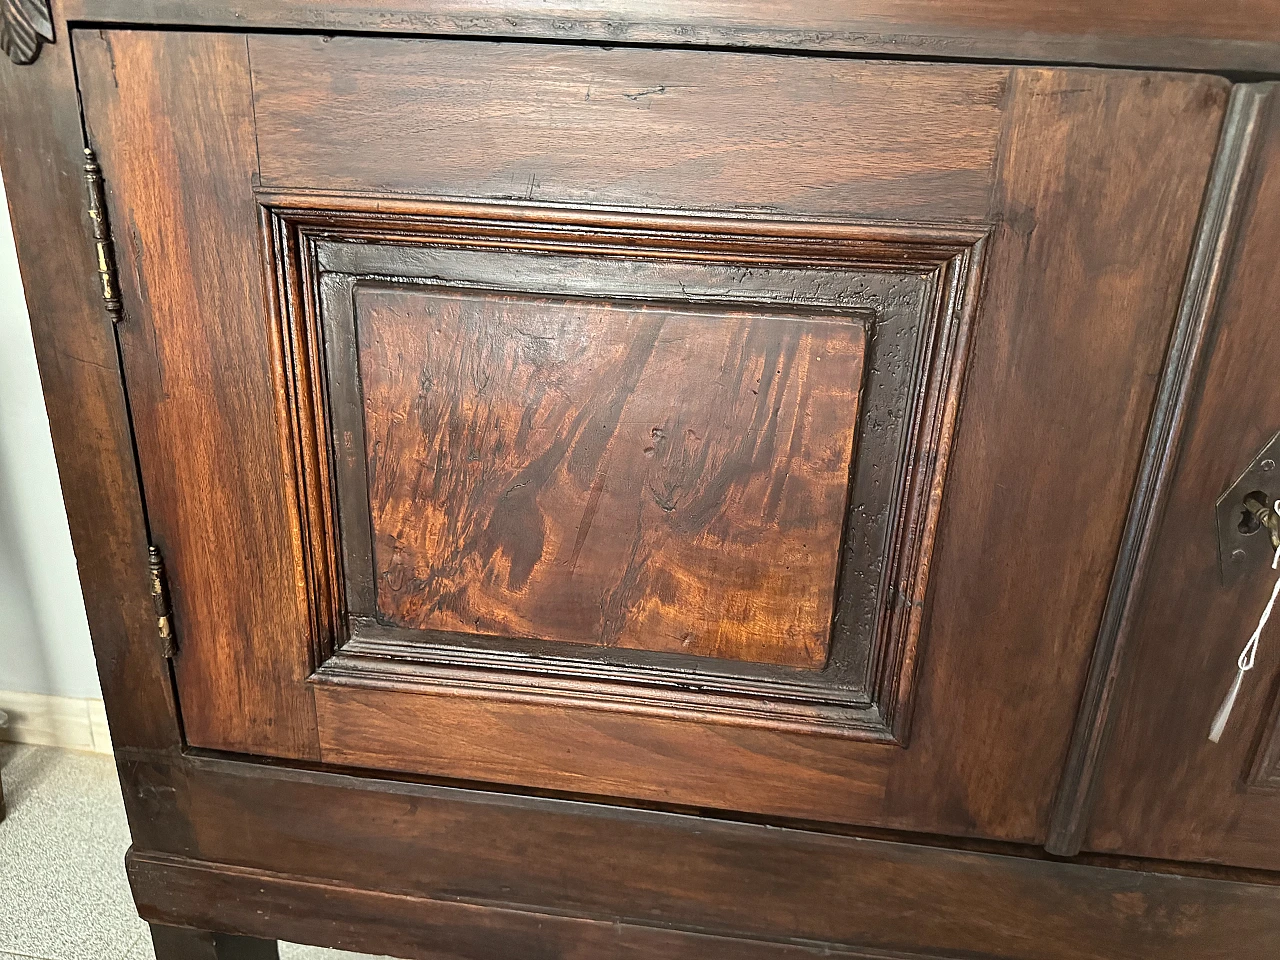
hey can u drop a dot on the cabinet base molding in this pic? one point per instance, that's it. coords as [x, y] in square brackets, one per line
[470, 873]
[1132, 915]
[353, 919]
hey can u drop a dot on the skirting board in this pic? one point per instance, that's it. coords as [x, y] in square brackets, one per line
[55, 721]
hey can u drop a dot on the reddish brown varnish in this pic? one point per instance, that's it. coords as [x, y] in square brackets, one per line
[493, 728]
[1090, 217]
[656, 478]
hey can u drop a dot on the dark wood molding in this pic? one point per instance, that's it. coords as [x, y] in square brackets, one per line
[1178, 384]
[166, 887]
[1185, 35]
[25, 26]
[864, 689]
[450, 879]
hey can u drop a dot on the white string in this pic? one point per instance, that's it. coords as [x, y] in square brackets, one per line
[1248, 655]
[1250, 651]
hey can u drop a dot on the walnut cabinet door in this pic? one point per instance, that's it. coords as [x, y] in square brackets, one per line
[728, 431]
[1165, 790]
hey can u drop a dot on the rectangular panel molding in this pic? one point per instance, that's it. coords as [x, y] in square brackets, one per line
[681, 466]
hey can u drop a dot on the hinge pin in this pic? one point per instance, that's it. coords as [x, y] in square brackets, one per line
[102, 237]
[160, 600]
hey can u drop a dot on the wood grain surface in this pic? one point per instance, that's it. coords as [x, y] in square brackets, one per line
[424, 848]
[1088, 262]
[652, 128]
[1179, 383]
[202, 370]
[1002, 927]
[645, 264]
[1187, 34]
[169, 888]
[42, 155]
[1166, 791]
[596, 472]
[1091, 182]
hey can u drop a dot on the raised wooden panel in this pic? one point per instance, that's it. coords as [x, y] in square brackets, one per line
[578, 456]
[643, 476]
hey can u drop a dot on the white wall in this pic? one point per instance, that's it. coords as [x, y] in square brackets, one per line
[44, 639]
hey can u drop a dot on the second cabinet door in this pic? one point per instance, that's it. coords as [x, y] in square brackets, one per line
[729, 431]
[1165, 789]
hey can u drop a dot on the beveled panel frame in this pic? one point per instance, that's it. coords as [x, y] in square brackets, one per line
[914, 287]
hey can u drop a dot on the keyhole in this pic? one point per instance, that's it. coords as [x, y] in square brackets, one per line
[1249, 523]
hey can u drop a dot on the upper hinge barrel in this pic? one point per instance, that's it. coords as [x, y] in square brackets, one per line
[160, 600]
[105, 249]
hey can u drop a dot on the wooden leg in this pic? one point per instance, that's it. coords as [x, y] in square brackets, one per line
[180, 943]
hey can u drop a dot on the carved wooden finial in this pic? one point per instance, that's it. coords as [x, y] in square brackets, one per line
[25, 26]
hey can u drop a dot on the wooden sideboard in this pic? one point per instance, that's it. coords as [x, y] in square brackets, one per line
[684, 479]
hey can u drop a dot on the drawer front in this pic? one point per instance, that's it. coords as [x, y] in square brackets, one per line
[722, 430]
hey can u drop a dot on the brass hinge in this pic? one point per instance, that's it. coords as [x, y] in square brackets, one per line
[160, 599]
[107, 271]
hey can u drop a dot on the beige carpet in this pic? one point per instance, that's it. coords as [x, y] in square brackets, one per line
[63, 893]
